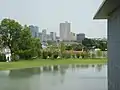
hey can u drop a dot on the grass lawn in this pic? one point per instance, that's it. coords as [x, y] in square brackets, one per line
[40, 62]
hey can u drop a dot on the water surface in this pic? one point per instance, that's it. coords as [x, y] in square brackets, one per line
[64, 77]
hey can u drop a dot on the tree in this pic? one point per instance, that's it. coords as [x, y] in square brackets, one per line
[28, 46]
[1, 44]
[99, 53]
[10, 33]
[62, 48]
[77, 47]
[36, 46]
[68, 47]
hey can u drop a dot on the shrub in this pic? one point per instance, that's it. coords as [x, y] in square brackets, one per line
[44, 54]
[15, 57]
[66, 55]
[73, 55]
[26, 54]
[85, 54]
[2, 58]
[82, 55]
[78, 55]
[55, 54]
[49, 54]
[93, 55]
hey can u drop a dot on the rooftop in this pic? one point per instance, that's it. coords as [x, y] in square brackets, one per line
[107, 8]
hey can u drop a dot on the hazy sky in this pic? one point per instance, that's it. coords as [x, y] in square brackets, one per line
[49, 13]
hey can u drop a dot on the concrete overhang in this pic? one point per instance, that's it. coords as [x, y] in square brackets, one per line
[107, 8]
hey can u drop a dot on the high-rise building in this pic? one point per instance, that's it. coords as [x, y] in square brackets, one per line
[65, 31]
[73, 36]
[80, 37]
[40, 36]
[34, 30]
[44, 35]
[49, 37]
[53, 36]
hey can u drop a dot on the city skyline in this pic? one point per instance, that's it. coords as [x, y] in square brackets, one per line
[48, 14]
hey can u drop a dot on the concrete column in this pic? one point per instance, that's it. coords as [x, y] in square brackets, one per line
[114, 51]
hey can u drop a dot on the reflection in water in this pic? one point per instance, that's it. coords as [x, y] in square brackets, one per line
[57, 77]
[99, 67]
[23, 73]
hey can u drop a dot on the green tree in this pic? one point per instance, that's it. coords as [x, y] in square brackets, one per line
[68, 47]
[28, 46]
[10, 32]
[77, 47]
[99, 53]
[62, 48]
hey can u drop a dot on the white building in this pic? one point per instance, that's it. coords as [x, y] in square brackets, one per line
[65, 31]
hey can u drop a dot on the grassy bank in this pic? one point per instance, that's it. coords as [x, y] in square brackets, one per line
[38, 62]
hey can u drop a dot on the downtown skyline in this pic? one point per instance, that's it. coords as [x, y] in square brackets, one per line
[48, 14]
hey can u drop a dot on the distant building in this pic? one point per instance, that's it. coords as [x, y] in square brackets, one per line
[65, 31]
[49, 37]
[73, 36]
[80, 37]
[53, 36]
[40, 36]
[34, 30]
[44, 35]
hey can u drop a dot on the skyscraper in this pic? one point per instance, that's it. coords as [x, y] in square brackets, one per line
[44, 35]
[65, 31]
[34, 30]
[40, 36]
[53, 36]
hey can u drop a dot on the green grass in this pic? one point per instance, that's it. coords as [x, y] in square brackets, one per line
[39, 62]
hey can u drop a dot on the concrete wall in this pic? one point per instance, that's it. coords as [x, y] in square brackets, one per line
[114, 51]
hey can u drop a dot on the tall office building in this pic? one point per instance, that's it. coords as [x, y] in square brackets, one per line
[44, 35]
[80, 37]
[40, 36]
[65, 31]
[49, 37]
[53, 36]
[34, 30]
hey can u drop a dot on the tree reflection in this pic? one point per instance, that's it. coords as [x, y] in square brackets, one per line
[23, 73]
[99, 67]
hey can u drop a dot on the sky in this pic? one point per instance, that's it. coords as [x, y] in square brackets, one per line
[48, 14]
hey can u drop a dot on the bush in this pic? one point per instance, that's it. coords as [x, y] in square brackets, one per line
[73, 55]
[85, 55]
[2, 58]
[15, 57]
[93, 55]
[66, 55]
[78, 55]
[55, 54]
[44, 54]
[26, 54]
[82, 55]
[49, 54]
